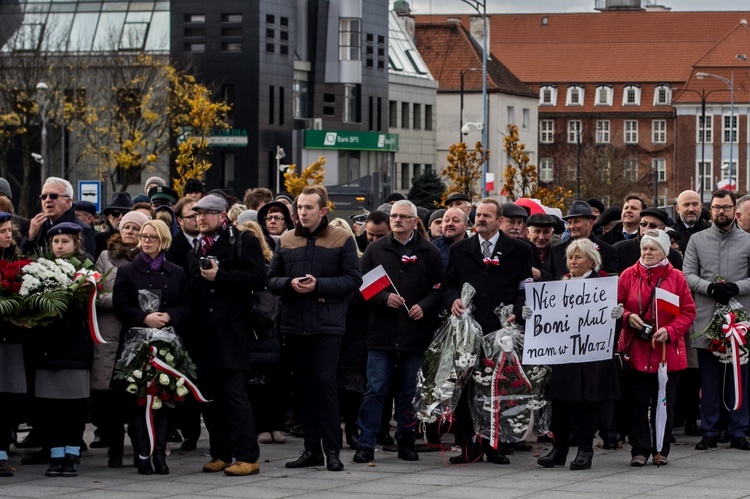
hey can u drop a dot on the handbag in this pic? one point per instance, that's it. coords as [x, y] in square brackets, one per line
[264, 310]
[265, 349]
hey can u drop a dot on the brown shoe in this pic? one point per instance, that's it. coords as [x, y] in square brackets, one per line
[241, 468]
[214, 466]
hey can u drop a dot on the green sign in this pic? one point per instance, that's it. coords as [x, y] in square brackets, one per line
[234, 137]
[356, 141]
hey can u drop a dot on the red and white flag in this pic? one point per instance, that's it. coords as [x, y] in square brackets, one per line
[667, 302]
[374, 282]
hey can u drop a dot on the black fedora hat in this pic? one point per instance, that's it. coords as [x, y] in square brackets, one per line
[580, 209]
[120, 201]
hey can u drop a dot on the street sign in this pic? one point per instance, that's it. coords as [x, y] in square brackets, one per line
[91, 190]
[358, 141]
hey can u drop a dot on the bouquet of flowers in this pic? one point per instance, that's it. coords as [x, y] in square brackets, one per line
[42, 289]
[506, 405]
[728, 327]
[448, 364]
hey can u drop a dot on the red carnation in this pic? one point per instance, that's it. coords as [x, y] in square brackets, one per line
[178, 398]
[722, 349]
[517, 383]
[152, 390]
[141, 401]
[164, 396]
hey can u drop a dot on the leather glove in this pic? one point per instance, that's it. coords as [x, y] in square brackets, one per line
[526, 313]
[719, 292]
[731, 287]
[617, 311]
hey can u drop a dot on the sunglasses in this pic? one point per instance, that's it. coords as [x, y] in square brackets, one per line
[117, 213]
[649, 225]
[53, 196]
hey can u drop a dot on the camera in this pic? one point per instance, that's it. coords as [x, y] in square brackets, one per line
[646, 332]
[205, 262]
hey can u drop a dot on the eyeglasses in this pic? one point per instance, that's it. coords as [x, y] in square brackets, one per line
[190, 217]
[722, 208]
[277, 218]
[52, 195]
[148, 238]
[208, 212]
[117, 213]
[650, 225]
[399, 215]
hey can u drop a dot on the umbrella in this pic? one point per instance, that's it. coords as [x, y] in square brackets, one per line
[661, 404]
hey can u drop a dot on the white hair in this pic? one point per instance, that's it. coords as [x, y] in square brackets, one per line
[60, 182]
[409, 204]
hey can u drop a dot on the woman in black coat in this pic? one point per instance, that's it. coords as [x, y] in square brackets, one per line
[576, 389]
[152, 272]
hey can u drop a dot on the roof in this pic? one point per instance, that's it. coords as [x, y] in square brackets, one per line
[448, 50]
[403, 56]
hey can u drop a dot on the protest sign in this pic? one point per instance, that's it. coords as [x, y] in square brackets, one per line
[571, 321]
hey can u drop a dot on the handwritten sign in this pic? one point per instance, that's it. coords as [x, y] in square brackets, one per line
[571, 322]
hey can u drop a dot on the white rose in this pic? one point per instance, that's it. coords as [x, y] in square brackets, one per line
[163, 379]
[137, 374]
[180, 382]
[156, 404]
[181, 391]
[130, 379]
[132, 388]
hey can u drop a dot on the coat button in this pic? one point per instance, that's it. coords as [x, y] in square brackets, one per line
[212, 290]
[210, 310]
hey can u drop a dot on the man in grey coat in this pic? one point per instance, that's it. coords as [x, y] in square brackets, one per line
[717, 268]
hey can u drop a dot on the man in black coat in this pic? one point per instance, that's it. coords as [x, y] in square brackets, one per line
[57, 207]
[630, 216]
[541, 229]
[402, 320]
[119, 205]
[498, 268]
[689, 222]
[580, 221]
[223, 272]
[455, 222]
[184, 241]
[629, 252]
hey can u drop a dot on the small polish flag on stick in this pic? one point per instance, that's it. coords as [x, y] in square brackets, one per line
[667, 302]
[376, 281]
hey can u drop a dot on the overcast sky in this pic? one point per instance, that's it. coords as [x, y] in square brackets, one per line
[521, 6]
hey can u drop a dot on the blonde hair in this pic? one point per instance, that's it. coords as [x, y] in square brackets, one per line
[165, 237]
[343, 224]
[254, 229]
[586, 248]
[235, 211]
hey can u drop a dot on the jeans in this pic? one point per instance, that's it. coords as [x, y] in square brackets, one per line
[380, 366]
[717, 388]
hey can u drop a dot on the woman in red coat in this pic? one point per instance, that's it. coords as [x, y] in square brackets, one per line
[646, 334]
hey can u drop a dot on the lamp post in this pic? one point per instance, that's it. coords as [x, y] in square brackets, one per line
[730, 84]
[476, 4]
[280, 154]
[461, 112]
[41, 89]
[578, 163]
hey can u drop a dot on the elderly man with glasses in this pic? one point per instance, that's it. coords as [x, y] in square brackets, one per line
[57, 207]
[629, 251]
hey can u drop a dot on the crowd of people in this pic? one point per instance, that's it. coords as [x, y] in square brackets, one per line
[334, 359]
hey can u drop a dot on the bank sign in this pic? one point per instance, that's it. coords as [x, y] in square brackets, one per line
[233, 137]
[357, 141]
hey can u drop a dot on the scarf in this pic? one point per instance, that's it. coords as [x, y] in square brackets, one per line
[208, 241]
[153, 263]
[662, 263]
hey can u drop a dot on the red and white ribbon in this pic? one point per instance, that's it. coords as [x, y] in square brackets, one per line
[91, 277]
[408, 259]
[509, 354]
[735, 333]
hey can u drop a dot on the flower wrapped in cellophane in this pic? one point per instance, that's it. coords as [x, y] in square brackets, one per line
[507, 400]
[448, 364]
[728, 327]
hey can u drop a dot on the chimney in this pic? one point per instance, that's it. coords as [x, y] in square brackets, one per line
[476, 28]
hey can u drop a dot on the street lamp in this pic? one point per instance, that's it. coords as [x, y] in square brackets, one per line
[730, 84]
[476, 4]
[461, 114]
[280, 154]
[41, 89]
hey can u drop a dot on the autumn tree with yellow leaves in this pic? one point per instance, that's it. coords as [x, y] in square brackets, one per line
[312, 175]
[522, 178]
[464, 170]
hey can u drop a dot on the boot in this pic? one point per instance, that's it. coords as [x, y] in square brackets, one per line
[352, 436]
[161, 435]
[556, 457]
[406, 447]
[582, 460]
[70, 466]
[142, 447]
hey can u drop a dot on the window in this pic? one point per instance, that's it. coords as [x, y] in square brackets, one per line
[604, 170]
[351, 104]
[575, 96]
[75, 103]
[271, 110]
[417, 118]
[659, 166]
[228, 162]
[659, 131]
[631, 131]
[631, 96]
[662, 95]
[196, 48]
[547, 131]
[705, 173]
[546, 172]
[129, 102]
[284, 36]
[300, 90]
[404, 115]
[329, 104]
[730, 131]
[231, 47]
[725, 171]
[405, 178]
[227, 92]
[417, 170]
[392, 114]
[526, 114]
[630, 172]
[603, 95]
[349, 39]
[195, 18]
[602, 131]
[281, 105]
[428, 117]
[547, 96]
[572, 172]
[574, 131]
[511, 115]
[231, 18]
[708, 130]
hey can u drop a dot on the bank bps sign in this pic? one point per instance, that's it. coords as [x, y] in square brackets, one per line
[358, 141]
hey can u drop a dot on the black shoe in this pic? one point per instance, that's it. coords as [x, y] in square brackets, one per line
[723, 437]
[740, 443]
[333, 462]
[144, 466]
[496, 457]
[189, 444]
[306, 459]
[98, 442]
[39, 457]
[582, 460]
[55, 467]
[556, 457]
[160, 465]
[70, 466]
[352, 438]
[385, 439]
[692, 429]
[364, 455]
[174, 437]
[706, 443]
[469, 454]
[406, 448]
[610, 445]
[114, 458]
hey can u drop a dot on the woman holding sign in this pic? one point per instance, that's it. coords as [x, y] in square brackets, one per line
[655, 324]
[576, 389]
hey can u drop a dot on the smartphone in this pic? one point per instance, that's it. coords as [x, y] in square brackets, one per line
[304, 279]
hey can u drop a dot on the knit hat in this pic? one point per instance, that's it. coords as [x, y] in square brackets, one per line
[435, 215]
[155, 180]
[134, 217]
[5, 188]
[662, 239]
[193, 185]
[247, 216]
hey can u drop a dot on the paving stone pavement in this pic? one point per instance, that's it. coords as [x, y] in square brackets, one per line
[690, 473]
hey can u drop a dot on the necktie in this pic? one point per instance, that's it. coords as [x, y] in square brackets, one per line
[486, 249]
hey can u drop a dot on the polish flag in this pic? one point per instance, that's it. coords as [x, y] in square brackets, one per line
[489, 184]
[374, 282]
[667, 302]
